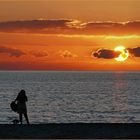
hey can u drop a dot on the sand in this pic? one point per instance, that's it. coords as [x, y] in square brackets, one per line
[75, 131]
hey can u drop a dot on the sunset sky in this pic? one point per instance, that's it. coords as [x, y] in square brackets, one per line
[69, 34]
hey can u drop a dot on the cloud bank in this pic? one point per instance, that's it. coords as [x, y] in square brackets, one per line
[14, 52]
[135, 51]
[11, 51]
[106, 54]
[68, 26]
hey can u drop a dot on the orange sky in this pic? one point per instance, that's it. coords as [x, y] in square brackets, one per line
[64, 35]
[89, 10]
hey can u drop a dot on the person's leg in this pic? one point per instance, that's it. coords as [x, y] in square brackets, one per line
[26, 117]
[20, 117]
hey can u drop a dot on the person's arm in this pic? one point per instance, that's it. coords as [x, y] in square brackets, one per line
[15, 100]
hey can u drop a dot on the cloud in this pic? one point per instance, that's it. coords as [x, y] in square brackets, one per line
[33, 25]
[134, 51]
[69, 26]
[110, 54]
[39, 53]
[106, 54]
[11, 51]
[67, 54]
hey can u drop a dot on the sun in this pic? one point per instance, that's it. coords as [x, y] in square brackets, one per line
[124, 54]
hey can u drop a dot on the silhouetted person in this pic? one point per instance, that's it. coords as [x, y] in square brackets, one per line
[21, 105]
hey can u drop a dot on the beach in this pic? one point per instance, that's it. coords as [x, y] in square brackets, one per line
[70, 131]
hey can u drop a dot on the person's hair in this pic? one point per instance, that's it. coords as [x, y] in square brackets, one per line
[22, 93]
[22, 96]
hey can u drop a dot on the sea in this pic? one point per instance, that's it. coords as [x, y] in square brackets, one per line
[72, 96]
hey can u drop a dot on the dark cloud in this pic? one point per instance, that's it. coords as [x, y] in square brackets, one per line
[33, 25]
[134, 51]
[68, 26]
[113, 28]
[110, 54]
[11, 51]
[106, 54]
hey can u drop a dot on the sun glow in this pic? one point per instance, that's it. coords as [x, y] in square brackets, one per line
[124, 54]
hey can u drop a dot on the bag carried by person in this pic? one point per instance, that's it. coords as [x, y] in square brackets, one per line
[13, 106]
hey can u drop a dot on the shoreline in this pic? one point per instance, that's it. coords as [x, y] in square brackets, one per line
[70, 131]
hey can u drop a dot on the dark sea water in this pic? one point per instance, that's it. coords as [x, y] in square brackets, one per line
[69, 97]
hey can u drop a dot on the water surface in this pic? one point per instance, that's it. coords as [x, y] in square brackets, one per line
[69, 97]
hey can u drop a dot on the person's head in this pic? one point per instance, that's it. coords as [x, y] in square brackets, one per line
[22, 93]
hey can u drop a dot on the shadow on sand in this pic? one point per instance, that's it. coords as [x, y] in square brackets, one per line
[72, 130]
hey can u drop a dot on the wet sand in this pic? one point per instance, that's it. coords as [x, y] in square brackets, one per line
[69, 131]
